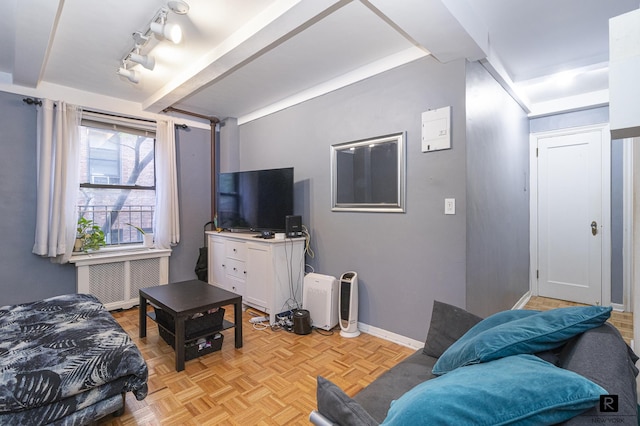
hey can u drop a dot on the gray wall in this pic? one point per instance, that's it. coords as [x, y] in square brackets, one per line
[27, 277]
[404, 261]
[194, 193]
[617, 221]
[586, 118]
[569, 119]
[228, 155]
[497, 196]
[24, 276]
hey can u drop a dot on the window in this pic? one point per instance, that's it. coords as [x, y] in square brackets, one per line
[117, 176]
[104, 158]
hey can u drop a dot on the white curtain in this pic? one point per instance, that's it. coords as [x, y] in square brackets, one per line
[166, 227]
[58, 150]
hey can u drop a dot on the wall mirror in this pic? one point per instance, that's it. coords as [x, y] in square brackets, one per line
[369, 174]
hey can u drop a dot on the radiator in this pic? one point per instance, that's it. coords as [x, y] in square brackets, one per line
[116, 278]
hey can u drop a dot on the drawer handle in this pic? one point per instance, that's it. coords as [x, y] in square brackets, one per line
[235, 269]
[224, 266]
[235, 250]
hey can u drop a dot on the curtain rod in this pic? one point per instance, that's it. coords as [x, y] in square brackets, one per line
[32, 101]
[38, 102]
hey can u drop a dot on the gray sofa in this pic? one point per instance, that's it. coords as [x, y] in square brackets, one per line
[598, 354]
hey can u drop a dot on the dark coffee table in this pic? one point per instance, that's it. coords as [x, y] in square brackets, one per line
[183, 299]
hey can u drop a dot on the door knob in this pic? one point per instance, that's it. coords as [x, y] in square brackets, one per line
[594, 228]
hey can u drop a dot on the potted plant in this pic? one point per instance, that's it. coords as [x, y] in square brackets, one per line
[89, 236]
[147, 237]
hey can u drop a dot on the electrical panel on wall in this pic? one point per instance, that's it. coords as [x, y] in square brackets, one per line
[436, 129]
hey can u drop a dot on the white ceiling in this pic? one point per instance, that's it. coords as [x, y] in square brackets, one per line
[248, 58]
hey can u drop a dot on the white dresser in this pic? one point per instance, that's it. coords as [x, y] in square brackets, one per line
[267, 273]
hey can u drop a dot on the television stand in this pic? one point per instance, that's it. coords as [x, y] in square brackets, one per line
[267, 273]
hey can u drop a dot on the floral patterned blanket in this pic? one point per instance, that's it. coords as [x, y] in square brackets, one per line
[62, 355]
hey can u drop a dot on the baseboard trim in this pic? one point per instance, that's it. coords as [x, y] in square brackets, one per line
[416, 344]
[523, 301]
[619, 307]
[520, 304]
[391, 337]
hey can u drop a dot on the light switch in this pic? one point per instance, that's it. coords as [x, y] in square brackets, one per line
[449, 206]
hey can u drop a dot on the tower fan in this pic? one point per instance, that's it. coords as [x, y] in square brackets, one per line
[348, 303]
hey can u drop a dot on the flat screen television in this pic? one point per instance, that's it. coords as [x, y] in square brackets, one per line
[255, 200]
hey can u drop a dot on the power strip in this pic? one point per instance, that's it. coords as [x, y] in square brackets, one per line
[256, 320]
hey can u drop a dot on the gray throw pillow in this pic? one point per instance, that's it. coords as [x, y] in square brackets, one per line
[448, 324]
[602, 356]
[338, 407]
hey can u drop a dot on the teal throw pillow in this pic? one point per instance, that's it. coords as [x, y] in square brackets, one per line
[520, 389]
[532, 333]
[499, 319]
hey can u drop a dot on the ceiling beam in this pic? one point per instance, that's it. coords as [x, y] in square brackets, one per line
[448, 29]
[36, 23]
[276, 25]
[382, 65]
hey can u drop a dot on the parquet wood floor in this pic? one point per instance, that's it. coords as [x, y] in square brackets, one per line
[623, 321]
[270, 381]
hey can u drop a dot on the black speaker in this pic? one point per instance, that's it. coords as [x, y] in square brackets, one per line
[293, 226]
[301, 322]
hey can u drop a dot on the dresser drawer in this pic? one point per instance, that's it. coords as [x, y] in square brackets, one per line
[236, 269]
[236, 250]
[236, 286]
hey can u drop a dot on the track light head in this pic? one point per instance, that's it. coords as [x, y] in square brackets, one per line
[149, 62]
[164, 29]
[131, 75]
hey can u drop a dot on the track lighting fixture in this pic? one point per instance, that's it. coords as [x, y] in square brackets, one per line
[149, 62]
[162, 30]
[132, 75]
[178, 7]
[140, 39]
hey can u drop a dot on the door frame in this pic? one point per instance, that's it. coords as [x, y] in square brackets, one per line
[628, 155]
[605, 205]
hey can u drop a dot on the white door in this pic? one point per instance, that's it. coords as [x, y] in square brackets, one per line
[573, 228]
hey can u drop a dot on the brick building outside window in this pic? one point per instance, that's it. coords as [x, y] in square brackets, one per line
[117, 179]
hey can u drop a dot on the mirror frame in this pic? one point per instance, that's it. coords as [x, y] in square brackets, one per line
[398, 206]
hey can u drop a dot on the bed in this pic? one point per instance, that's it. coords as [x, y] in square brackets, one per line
[66, 361]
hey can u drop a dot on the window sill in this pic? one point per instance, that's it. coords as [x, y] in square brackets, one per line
[111, 254]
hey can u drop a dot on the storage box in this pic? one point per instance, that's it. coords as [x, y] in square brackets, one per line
[202, 324]
[205, 325]
[194, 349]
